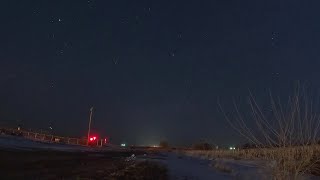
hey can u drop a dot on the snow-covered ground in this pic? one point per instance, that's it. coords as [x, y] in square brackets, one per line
[188, 168]
[180, 167]
[246, 169]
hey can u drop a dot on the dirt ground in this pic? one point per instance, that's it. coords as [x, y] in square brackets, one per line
[76, 165]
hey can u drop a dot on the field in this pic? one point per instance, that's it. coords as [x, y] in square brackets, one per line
[74, 165]
[28, 159]
[23, 158]
[280, 163]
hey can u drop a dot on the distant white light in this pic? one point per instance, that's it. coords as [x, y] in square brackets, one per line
[123, 145]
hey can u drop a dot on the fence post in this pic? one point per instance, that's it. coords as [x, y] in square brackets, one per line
[51, 138]
[35, 136]
[77, 141]
[68, 140]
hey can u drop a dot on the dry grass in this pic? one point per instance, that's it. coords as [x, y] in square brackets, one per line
[290, 130]
[288, 163]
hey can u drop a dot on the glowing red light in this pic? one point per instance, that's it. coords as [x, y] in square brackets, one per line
[106, 140]
[94, 138]
[91, 139]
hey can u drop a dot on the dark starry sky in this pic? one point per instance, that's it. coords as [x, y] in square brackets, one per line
[152, 69]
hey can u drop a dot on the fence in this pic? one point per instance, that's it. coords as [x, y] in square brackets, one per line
[44, 137]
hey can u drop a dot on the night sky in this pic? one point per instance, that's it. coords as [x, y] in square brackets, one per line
[152, 69]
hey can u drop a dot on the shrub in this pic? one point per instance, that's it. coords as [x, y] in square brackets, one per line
[288, 135]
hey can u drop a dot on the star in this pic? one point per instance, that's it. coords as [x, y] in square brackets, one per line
[274, 39]
[90, 4]
[60, 52]
[115, 61]
[171, 54]
[276, 75]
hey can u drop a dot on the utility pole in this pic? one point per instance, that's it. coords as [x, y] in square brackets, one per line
[89, 126]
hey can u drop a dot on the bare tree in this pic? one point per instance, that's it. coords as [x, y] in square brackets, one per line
[290, 132]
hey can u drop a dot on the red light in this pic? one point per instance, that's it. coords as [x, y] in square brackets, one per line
[106, 140]
[91, 139]
[94, 138]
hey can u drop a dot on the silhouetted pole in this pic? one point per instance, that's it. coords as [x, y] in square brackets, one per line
[89, 126]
